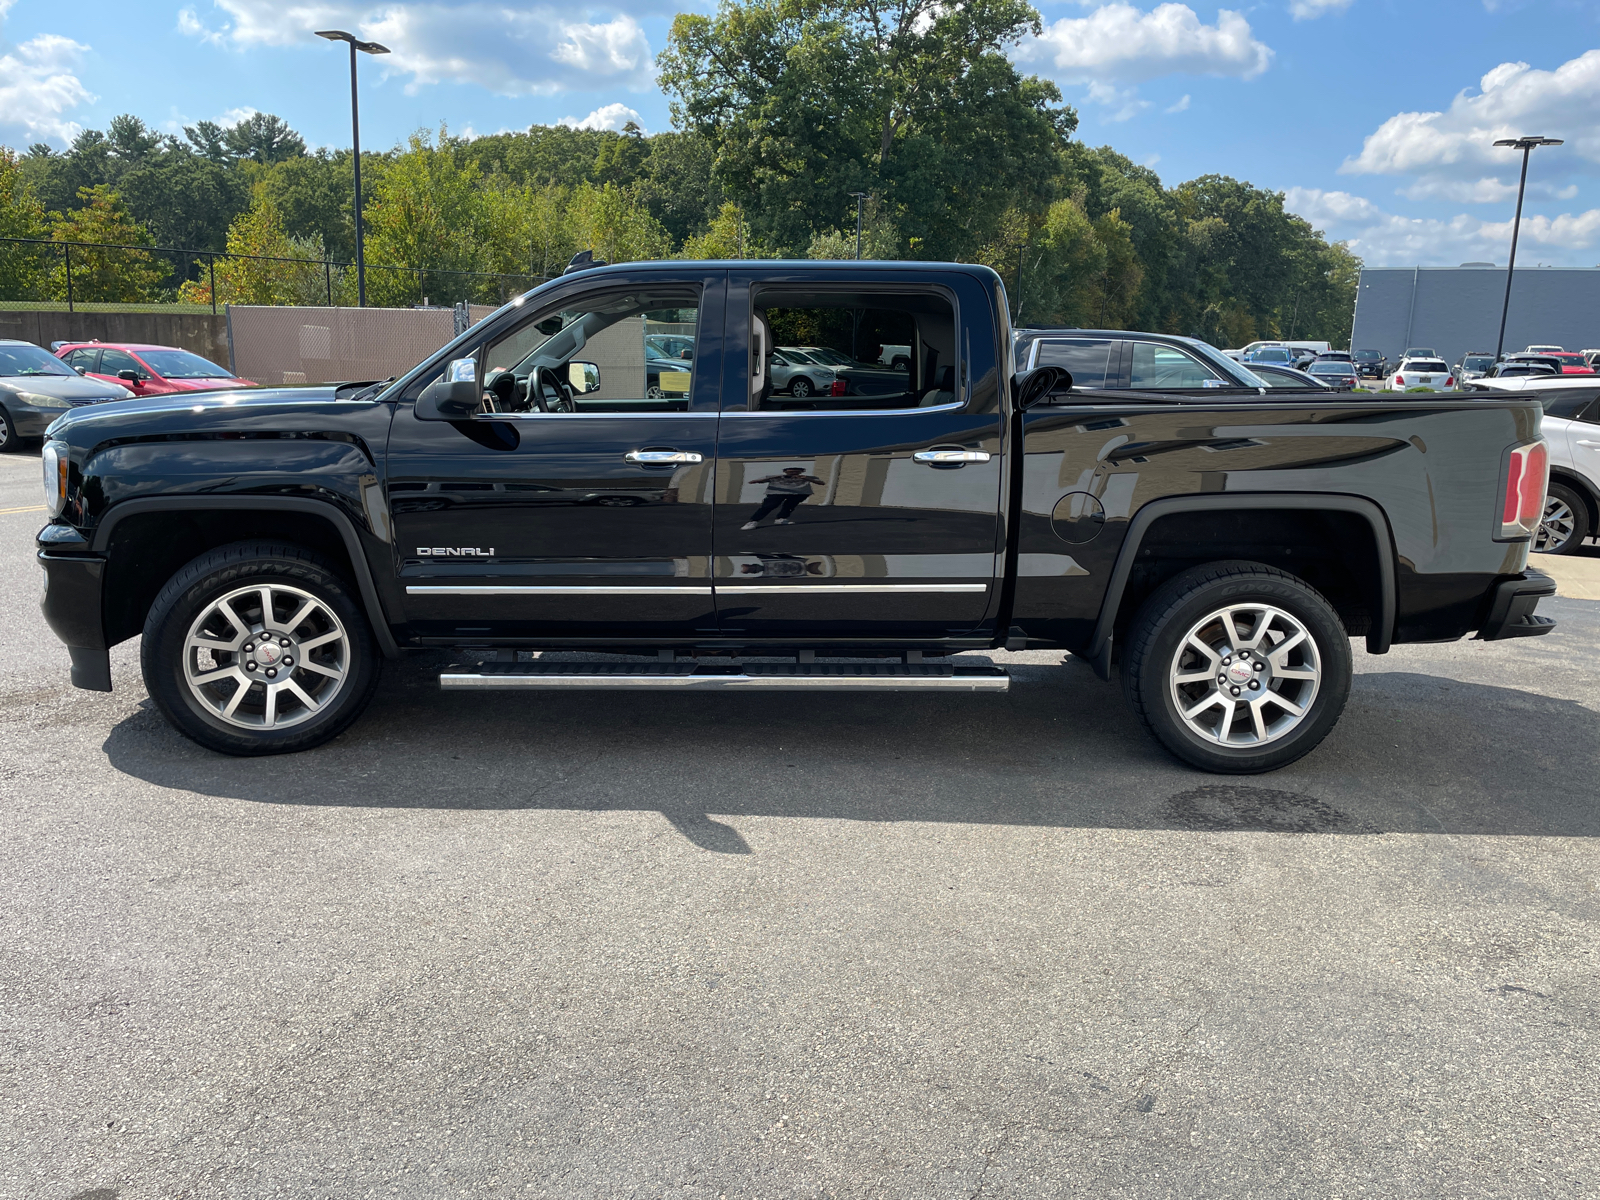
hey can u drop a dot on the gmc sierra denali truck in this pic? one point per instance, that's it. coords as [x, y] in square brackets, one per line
[525, 489]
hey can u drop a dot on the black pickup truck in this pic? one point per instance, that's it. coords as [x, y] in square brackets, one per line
[526, 489]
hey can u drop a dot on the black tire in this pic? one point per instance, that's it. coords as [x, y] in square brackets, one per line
[900, 364]
[187, 603]
[800, 388]
[1565, 525]
[10, 443]
[1151, 663]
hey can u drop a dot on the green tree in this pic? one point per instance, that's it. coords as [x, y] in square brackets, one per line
[21, 216]
[263, 138]
[807, 101]
[425, 217]
[261, 276]
[728, 236]
[615, 225]
[110, 274]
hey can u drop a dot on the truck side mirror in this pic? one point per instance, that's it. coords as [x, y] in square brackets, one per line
[452, 396]
[583, 376]
[1033, 386]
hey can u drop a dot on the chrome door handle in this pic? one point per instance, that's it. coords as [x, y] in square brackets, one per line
[951, 458]
[662, 458]
[1588, 444]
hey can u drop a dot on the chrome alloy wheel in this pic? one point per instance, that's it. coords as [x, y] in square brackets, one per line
[1556, 527]
[1245, 675]
[267, 656]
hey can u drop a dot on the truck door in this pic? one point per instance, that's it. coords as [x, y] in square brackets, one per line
[872, 511]
[577, 501]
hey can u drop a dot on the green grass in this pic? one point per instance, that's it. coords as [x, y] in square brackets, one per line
[109, 306]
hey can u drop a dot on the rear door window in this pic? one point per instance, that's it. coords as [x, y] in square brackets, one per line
[1158, 368]
[112, 361]
[83, 360]
[1089, 360]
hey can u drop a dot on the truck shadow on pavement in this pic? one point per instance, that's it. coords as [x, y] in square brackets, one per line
[1414, 753]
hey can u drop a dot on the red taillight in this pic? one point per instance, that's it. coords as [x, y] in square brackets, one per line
[1527, 476]
[838, 388]
[1449, 381]
[1399, 381]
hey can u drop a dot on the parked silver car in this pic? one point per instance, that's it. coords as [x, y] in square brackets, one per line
[36, 387]
[800, 371]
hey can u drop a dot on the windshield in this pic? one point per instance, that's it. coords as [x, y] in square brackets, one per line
[22, 359]
[1227, 367]
[1331, 368]
[1477, 362]
[1368, 355]
[180, 364]
[832, 357]
[1570, 359]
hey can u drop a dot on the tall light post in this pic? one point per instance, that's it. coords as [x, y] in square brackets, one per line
[1526, 145]
[339, 35]
[860, 196]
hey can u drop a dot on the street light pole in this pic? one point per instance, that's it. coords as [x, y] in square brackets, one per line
[860, 196]
[339, 35]
[1526, 145]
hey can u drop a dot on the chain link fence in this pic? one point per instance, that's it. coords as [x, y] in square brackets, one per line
[104, 277]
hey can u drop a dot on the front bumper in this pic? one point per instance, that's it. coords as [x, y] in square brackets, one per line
[72, 606]
[1511, 605]
[31, 420]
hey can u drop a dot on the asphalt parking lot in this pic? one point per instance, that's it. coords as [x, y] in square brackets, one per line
[860, 946]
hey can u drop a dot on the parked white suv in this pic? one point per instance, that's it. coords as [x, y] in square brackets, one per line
[1572, 429]
[1421, 372]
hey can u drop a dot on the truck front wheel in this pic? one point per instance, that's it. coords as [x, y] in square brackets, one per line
[259, 648]
[1237, 667]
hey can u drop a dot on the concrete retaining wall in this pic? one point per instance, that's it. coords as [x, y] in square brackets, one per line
[200, 333]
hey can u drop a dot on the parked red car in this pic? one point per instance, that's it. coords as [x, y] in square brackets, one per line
[1572, 363]
[148, 370]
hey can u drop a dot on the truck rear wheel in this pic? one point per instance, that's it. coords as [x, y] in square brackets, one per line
[259, 648]
[1237, 667]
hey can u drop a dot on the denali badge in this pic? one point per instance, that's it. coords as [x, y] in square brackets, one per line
[456, 551]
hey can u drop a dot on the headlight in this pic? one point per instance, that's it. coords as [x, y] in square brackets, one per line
[55, 477]
[35, 400]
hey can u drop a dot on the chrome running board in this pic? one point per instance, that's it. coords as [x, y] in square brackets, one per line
[773, 677]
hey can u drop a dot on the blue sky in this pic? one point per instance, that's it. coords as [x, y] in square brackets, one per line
[1373, 116]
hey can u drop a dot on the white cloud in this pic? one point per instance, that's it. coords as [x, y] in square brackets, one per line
[1386, 239]
[190, 24]
[611, 116]
[1310, 10]
[1120, 103]
[1120, 42]
[536, 49]
[1513, 99]
[39, 86]
[1181, 106]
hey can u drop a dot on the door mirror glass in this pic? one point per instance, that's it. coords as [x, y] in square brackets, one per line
[130, 375]
[584, 377]
[462, 370]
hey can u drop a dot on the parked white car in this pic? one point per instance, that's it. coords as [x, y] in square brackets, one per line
[1421, 372]
[1572, 430]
